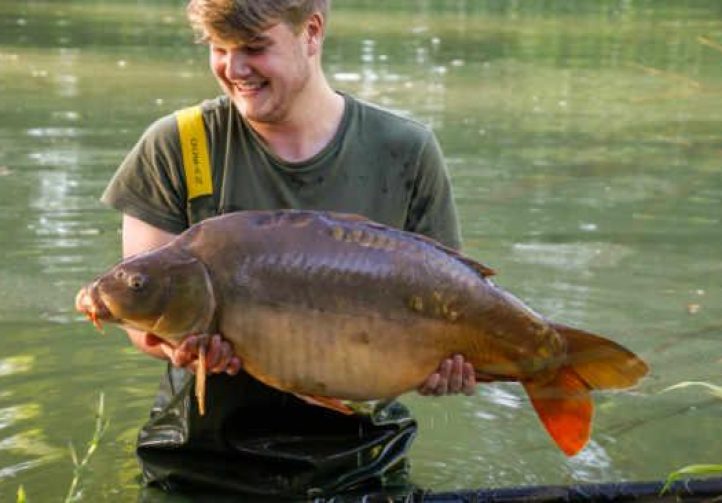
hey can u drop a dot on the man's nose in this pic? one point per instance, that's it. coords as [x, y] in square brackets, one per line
[237, 65]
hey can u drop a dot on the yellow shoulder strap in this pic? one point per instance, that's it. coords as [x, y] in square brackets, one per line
[196, 161]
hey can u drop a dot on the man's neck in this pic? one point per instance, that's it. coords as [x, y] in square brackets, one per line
[310, 127]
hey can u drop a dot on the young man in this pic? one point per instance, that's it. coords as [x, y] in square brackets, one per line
[279, 137]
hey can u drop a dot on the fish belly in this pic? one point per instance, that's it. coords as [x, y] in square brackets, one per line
[341, 355]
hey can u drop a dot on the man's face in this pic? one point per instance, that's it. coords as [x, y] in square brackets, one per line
[263, 76]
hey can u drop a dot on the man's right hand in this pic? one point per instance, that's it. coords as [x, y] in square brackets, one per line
[219, 353]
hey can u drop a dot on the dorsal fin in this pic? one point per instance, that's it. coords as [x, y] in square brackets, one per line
[483, 270]
[350, 217]
[478, 267]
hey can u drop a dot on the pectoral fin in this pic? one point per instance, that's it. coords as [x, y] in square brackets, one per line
[201, 379]
[327, 402]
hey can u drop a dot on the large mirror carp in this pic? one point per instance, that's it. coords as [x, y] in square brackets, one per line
[335, 307]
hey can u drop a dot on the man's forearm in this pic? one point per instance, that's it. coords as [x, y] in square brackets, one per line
[140, 340]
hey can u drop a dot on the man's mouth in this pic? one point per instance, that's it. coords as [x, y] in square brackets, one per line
[250, 87]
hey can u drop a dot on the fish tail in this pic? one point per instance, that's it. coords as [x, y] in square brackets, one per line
[601, 363]
[565, 408]
[563, 402]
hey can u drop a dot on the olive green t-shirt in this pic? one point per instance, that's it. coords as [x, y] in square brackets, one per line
[379, 164]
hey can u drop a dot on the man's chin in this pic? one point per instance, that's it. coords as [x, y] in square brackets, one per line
[258, 117]
[255, 111]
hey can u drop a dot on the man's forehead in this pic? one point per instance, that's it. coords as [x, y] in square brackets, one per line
[264, 36]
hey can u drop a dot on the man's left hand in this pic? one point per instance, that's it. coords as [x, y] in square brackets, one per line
[453, 376]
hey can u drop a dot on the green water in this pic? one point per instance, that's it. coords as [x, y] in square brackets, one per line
[585, 143]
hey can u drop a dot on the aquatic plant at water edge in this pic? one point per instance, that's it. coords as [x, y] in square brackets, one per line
[101, 425]
[688, 471]
[698, 469]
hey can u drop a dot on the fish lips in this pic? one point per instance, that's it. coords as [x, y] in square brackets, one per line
[88, 301]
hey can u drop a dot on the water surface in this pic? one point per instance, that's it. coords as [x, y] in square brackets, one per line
[584, 140]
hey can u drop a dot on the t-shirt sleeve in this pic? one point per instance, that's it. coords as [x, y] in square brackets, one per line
[148, 185]
[432, 211]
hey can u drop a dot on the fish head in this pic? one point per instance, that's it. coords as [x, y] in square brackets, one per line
[163, 292]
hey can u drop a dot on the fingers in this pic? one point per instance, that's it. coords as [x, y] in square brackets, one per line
[219, 354]
[185, 353]
[456, 374]
[234, 366]
[442, 388]
[215, 353]
[220, 357]
[469, 379]
[453, 376]
[428, 387]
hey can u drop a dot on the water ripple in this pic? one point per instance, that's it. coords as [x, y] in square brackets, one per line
[54, 132]
[572, 255]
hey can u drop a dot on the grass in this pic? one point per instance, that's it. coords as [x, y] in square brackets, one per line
[101, 425]
[79, 464]
[689, 471]
[698, 469]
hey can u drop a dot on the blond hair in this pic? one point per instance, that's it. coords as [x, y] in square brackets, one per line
[234, 20]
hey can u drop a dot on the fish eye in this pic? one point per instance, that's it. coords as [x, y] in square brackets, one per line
[136, 282]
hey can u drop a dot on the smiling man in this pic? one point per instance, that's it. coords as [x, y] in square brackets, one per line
[278, 137]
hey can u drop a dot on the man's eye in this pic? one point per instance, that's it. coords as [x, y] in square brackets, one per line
[254, 49]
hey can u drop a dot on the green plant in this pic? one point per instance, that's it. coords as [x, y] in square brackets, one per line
[700, 469]
[101, 425]
[687, 471]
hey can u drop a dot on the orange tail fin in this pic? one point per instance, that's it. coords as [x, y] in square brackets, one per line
[563, 403]
[565, 408]
[601, 363]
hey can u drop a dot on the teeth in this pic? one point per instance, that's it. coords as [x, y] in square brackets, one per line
[249, 87]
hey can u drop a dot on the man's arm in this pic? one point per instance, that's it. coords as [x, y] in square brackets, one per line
[138, 237]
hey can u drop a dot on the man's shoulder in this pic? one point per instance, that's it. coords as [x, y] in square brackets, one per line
[390, 121]
[216, 108]
[166, 127]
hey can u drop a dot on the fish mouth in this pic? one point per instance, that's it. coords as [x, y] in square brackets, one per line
[88, 301]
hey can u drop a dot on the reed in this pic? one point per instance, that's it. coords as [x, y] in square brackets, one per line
[697, 469]
[79, 464]
[101, 425]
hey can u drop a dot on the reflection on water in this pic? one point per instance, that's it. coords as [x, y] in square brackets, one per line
[16, 364]
[583, 139]
[381, 76]
[22, 446]
[580, 256]
[11, 415]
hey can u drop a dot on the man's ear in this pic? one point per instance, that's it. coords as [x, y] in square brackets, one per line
[315, 29]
